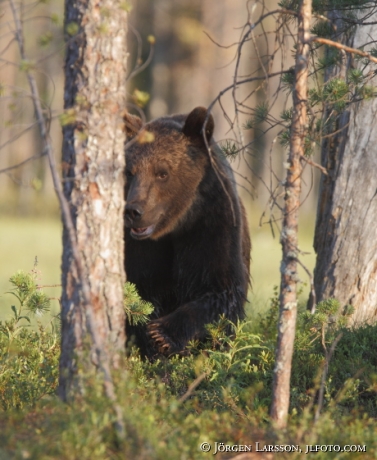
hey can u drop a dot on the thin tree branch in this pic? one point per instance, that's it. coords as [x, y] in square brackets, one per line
[326, 41]
[192, 387]
[328, 356]
[140, 68]
[21, 163]
[242, 82]
[316, 165]
[260, 20]
[361, 22]
[313, 298]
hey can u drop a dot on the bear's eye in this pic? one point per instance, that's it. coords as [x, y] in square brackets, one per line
[162, 174]
[129, 174]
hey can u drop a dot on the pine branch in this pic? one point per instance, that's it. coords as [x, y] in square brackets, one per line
[347, 49]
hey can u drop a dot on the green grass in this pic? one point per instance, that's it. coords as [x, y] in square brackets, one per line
[24, 239]
[265, 266]
[21, 241]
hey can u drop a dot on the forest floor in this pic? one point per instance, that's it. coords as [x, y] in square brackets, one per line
[225, 415]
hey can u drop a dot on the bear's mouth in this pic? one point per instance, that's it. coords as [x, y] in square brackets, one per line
[142, 232]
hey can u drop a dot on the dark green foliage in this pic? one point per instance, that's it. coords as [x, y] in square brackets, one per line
[355, 363]
[228, 402]
[335, 94]
[288, 80]
[330, 57]
[260, 112]
[229, 149]
[355, 76]
[28, 359]
[349, 384]
[367, 92]
[326, 102]
[286, 115]
[323, 29]
[373, 51]
[29, 367]
[248, 124]
[285, 138]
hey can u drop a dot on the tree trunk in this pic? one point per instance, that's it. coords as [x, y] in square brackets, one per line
[93, 164]
[289, 233]
[346, 231]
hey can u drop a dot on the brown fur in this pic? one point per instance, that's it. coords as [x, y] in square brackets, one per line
[185, 175]
[187, 241]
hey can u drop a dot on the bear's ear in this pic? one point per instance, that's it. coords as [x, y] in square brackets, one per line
[132, 124]
[194, 124]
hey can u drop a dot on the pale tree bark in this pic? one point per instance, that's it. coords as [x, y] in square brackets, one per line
[346, 231]
[93, 164]
[289, 233]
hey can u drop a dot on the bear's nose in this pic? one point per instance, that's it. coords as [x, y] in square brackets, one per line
[134, 212]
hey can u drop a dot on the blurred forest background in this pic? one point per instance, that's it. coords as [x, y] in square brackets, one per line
[193, 60]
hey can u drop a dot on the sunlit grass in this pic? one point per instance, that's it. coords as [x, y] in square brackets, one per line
[266, 257]
[22, 240]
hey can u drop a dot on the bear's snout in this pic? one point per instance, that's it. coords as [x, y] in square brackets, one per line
[140, 227]
[134, 212]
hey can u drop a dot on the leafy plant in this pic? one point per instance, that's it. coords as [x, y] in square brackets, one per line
[220, 391]
[28, 358]
[30, 298]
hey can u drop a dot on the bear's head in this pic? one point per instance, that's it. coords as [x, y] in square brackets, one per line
[165, 162]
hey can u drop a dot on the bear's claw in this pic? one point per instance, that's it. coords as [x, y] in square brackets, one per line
[162, 342]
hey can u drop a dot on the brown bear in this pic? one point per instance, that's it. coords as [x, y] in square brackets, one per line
[187, 244]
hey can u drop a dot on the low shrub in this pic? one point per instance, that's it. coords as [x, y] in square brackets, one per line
[219, 393]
